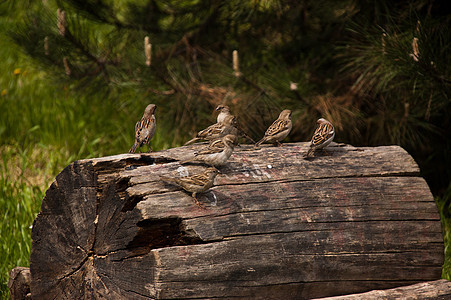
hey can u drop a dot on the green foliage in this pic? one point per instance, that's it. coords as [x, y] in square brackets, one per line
[102, 49]
[400, 80]
[444, 206]
[389, 77]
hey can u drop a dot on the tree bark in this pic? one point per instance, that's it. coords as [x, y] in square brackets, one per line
[274, 226]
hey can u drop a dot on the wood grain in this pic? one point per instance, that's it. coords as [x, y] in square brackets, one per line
[275, 225]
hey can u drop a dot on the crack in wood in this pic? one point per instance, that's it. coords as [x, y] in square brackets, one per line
[294, 208]
[74, 270]
[282, 180]
[269, 233]
[294, 179]
[139, 294]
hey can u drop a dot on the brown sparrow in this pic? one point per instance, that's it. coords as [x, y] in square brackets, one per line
[215, 131]
[278, 130]
[197, 183]
[145, 128]
[224, 111]
[217, 152]
[322, 137]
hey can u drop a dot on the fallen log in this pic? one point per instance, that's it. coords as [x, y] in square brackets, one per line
[19, 283]
[438, 289]
[274, 226]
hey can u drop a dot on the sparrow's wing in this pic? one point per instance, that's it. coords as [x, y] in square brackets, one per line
[141, 125]
[149, 123]
[216, 146]
[214, 129]
[198, 179]
[137, 129]
[277, 127]
[322, 134]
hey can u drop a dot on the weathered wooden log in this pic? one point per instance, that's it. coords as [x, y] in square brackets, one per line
[438, 289]
[19, 283]
[274, 226]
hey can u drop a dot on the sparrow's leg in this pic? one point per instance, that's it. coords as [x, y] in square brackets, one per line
[197, 201]
[326, 152]
[278, 144]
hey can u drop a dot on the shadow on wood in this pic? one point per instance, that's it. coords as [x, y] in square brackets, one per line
[274, 226]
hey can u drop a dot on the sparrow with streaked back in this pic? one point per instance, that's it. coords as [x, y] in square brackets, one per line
[224, 112]
[278, 130]
[215, 131]
[145, 128]
[197, 183]
[322, 137]
[217, 152]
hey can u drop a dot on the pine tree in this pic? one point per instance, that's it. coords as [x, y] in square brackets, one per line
[379, 70]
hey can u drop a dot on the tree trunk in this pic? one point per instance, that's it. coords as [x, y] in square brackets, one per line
[275, 225]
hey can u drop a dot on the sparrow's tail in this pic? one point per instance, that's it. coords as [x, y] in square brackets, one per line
[133, 148]
[244, 135]
[248, 138]
[259, 142]
[309, 152]
[191, 141]
[187, 160]
[168, 179]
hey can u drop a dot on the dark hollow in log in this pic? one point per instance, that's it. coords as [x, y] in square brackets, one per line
[274, 226]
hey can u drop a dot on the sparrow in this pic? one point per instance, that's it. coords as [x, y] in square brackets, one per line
[278, 130]
[215, 131]
[322, 137]
[224, 111]
[197, 183]
[145, 128]
[217, 152]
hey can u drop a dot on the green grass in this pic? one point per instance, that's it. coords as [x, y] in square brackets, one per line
[444, 207]
[19, 204]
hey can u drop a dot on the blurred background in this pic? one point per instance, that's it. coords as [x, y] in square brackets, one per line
[75, 78]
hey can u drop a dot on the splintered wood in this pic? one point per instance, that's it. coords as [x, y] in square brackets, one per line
[274, 226]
